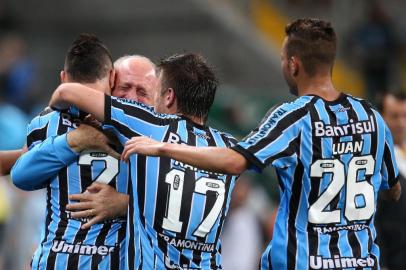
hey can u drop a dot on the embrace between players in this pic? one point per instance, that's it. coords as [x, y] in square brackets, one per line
[180, 173]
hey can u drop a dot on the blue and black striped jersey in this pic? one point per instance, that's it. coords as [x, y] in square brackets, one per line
[181, 208]
[64, 245]
[331, 159]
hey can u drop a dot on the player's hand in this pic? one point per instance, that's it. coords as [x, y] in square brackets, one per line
[141, 145]
[88, 137]
[99, 202]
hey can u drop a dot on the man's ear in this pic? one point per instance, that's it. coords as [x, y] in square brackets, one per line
[293, 66]
[170, 98]
[63, 76]
[112, 78]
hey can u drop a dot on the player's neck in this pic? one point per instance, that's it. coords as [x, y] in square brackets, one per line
[321, 86]
[194, 119]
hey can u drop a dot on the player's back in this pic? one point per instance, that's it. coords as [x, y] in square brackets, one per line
[64, 245]
[332, 158]
[182, 208]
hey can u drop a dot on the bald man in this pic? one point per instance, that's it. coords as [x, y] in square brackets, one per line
[135, 79]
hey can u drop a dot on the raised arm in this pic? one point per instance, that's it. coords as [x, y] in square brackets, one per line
[215, 159]
[85, 98]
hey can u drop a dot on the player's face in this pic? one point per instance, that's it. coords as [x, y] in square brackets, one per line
[286, 70]
[394, 113]
[136, 82]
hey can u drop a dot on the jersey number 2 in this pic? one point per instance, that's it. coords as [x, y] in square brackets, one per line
[363, 190]
[111, 168]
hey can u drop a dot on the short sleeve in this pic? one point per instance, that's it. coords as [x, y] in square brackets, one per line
[275, 138]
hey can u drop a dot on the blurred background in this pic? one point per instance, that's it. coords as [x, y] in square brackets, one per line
[241, 38]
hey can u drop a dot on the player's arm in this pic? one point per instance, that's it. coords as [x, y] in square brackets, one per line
[390, 186]
[215, 159]
[33, 169]
[8, 158]
[393, 193]
[83, 97]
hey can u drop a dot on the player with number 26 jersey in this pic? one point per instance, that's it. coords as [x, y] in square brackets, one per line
[336, 157]
[182, 208]
[64, 245]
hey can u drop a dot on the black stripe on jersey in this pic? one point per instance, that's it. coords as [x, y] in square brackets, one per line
[131, 245]
[249, 157]
[163, 190]
[101, 237]
[39, 134]
[73, 259]
[187, 195]
[374, 135]
[142, 112]
[115, 257]
[63, 200]
[355, 244]
[85, 176]
[47, 222]
[284, 123]
[293, 209]
[314, 181]
[126, 131]
[334, 236]
[387, 158]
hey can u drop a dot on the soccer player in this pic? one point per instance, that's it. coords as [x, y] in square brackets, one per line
[332, 152]
[64, 243]
[182, 207]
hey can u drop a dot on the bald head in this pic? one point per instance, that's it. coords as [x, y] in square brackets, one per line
[136, 79]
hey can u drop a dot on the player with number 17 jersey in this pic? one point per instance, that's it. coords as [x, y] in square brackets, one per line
[64, 245]
[332, 158]
[182, 208]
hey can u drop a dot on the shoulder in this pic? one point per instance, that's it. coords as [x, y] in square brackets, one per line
[288, 110]
[43, 118]
[137, 109]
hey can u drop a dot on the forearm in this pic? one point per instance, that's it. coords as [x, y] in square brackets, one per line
[392, 194]
[123, 200]
[33, 169]
[7, 160]
[85, 98]
[215, 159]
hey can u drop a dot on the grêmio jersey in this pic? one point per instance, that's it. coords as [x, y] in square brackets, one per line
[178, 209]
[332, 159]
[64, 245]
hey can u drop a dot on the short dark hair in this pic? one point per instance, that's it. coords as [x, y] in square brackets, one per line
[88, 59]
[399, 95]
[313, 41]
[193, 82]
